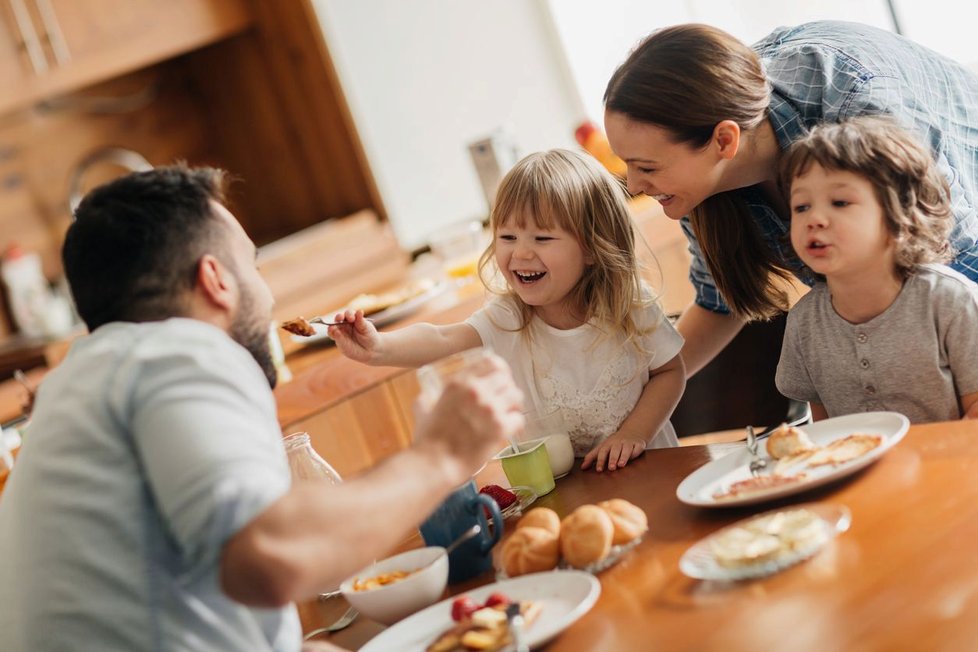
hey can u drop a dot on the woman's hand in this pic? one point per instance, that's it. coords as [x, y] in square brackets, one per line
[357, 338]
[614, 452]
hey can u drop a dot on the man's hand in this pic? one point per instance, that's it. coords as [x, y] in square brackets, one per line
[357, 338]
[616, 451]
[477, 413]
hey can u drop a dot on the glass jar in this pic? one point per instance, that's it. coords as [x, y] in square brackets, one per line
[305, 463]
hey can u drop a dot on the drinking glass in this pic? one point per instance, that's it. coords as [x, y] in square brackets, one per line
[306, 464]
[433, 377]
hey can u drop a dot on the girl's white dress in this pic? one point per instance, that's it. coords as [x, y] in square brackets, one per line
[591, 375]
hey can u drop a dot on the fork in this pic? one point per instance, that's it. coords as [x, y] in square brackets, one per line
[757, 463]
[324, 322]
[340, 623]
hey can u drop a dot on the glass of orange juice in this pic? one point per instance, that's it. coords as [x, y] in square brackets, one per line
[458, 248]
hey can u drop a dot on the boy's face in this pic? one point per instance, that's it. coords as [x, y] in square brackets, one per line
[838, 227]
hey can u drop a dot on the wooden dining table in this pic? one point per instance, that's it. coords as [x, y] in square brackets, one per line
[903, 577]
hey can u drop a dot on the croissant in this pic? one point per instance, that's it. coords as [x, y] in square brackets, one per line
[585, 535]
[542, 517]
[628, 520]
[530, 550]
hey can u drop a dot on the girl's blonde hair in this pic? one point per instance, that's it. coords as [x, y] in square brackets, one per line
[686, 79]
[913, 193]
[561, 188]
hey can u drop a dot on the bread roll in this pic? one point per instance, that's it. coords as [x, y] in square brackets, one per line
[787, 440]
[530, 550]
[543, 517]
[629, 521]
[585, 535]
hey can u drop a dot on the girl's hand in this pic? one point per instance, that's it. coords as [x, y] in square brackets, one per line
[616, 451]
[357, 338]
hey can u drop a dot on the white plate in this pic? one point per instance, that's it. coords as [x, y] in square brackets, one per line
[699, 562]
[379, 319]
[564, 597]
[699, 486]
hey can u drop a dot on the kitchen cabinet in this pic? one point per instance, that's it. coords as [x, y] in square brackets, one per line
[244, 85]
[52, 47]
[358, 432]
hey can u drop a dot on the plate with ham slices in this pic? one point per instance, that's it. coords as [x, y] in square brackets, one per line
[798, 459]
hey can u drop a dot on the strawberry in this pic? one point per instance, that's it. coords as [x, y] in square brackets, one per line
[503, 497]
[497, 598]
[463, 607]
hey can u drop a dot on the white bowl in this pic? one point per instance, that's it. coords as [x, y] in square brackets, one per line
[390, 603]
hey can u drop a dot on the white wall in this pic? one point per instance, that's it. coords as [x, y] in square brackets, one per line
[597, 38]
[424, 78]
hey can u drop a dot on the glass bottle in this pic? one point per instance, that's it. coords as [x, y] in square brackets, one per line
[305, 463]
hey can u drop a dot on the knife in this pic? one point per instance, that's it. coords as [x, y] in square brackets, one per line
[515, 620]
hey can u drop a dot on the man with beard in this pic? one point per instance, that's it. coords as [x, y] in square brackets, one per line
[151, 507]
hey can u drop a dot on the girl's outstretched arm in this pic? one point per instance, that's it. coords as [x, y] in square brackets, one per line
[411, 346]
[654, 406]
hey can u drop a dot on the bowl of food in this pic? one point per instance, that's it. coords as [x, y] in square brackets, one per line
[390, 589]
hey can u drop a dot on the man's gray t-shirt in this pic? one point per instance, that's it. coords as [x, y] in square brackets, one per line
[151, 445]
[916, 358]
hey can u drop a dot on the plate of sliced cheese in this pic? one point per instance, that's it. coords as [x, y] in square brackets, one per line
[765, 544]
[798, 459]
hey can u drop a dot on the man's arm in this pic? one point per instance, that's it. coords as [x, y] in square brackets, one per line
[706, 334]
[317, 534]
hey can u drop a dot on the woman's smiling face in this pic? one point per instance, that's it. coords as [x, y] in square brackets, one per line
[676, 175]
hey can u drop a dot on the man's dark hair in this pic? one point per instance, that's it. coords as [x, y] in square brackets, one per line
[132, 252]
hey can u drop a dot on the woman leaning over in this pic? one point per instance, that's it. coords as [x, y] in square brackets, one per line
[701, 119]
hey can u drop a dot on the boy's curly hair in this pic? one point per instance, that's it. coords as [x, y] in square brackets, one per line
[913, 193]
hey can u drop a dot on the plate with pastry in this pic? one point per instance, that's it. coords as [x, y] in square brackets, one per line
[798, 459]
[381, 309]
[765, 544]
[591, 539]
[476, 620]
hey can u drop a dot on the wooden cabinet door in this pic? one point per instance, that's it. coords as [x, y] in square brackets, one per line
[20, 45]
[359, 432]
[85, 41]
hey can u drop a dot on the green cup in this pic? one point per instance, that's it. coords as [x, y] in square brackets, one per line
[530, 467]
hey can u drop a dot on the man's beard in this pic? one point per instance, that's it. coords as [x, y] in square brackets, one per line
[251, 332]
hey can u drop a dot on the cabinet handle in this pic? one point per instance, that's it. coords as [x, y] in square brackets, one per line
[26, 28]
[53, 28]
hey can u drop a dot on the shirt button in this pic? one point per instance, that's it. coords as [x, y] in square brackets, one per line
[870, 390]
[864, 363]
[862, 338]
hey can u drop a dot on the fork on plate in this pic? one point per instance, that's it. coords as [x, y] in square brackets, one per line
[757, 463]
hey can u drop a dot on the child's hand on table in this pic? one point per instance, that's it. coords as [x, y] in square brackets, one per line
[614, 452]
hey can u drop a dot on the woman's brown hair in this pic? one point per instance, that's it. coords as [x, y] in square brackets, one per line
[913, 193]
[687, 79]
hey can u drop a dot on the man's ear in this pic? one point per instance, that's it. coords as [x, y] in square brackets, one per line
[726, 138]
[216, 283]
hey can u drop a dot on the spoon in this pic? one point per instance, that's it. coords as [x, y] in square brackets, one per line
[462, 538]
